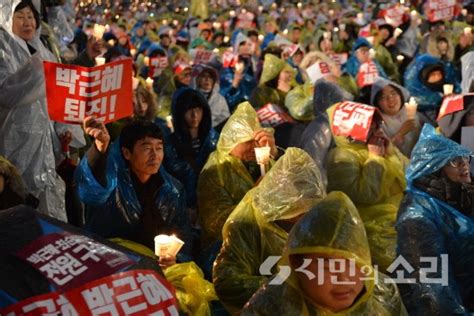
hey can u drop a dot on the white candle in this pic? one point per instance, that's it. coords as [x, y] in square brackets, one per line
[467, 30]
[232, 13]
[397, 32]
[372, 53]
[169, 123]
[133, 51]
[285, 31]
[262, 155]
[163, 244]
[411, 108]
[400, 58]
[299, 5]
[149, 83]
[413, 13]
[176, 245]
[99, 31]
[448, 89]
[260, 38]
[99, 61]
[146, 61]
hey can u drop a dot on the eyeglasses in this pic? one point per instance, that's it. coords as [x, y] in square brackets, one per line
[459, 161]
[386, 96]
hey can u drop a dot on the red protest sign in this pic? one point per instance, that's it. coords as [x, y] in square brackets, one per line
[201, 56]
[75, 92]
[353, 120]
[451, 104]
[273, 115]
[157, 65]
[339, 59]
[441, 10]
[367, 75]
[318, 70]
[68, 260]
[394, 15]
[140, 292]
[229, 59]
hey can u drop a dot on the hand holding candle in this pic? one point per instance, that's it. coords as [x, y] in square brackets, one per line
[167, 245]
[411, 108]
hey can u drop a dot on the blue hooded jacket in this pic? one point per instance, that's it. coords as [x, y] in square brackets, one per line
[428, 99]
[429, 227]
[114, 210]
[185, 169]
[242, 93]
[353, 64]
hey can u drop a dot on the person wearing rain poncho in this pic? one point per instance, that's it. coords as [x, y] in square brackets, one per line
[259, 226]
[317, 137]
[27, 136]
[424, 79]
[436, 219]
[372, 175]
[277, 79]
[390, 98]
[231, 170]
[332, 230]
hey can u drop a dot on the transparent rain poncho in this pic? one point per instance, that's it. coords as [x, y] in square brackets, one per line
[27, 136]
[333, 228]
[251, 233]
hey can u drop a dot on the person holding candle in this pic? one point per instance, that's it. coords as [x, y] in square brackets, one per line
[258, 227]
[401, 123]
[435, 222]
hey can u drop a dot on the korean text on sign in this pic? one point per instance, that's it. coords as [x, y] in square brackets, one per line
[75, 92]
[353, 120]
[367, 75]
[440, 10]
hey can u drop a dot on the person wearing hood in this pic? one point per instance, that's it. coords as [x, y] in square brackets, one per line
[451, 124]
[193, 139]
[231, 170]
[332, 231]
[27, 136]
[402, 130]
[259, 226]
[317, 138]
[238, 82]
[436, 220]
[277, 79]
[372, 174]
[424, 79]
[207, 82]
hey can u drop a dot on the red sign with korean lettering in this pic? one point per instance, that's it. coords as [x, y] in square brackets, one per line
[367, 75]
[201, 56]
[136, 292]
[68, 260]
[353, 120]
[394, 15]
[441, 10]
[229, 59]
[273, 115]
[74, 93]
[157, 65]
[451, 104]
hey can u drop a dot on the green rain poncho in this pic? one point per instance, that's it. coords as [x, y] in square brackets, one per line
[225, 180]
[250, 234]
[375, 184]
[333, 228]
[263, 94]
[299, 102]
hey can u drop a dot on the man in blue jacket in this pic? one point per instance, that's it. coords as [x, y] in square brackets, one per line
[126, 192]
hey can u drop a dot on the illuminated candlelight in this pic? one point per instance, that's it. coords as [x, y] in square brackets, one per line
[467, 30]
[99, 61]
[149, 83]
[262, 155]
[411, 108]
[99, 31]
[169, 123]
[146, 61]
[448, 89]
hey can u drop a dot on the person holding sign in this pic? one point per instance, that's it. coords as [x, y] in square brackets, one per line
[126, 192]
[27, 136]
[436, 222]
[370, 170]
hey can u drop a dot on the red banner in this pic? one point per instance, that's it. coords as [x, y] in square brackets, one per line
[451, 104]
[68, 260]
[74, 93]
[441, 10]
[394, 15]
[367, 75]
[273, 115]
[136, 292]
[353, 120]
[201, 56]
[229, 59]
[157, 65]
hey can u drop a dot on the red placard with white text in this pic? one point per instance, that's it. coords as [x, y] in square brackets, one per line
[74, 92]
[273, 115]
[135, 292]
[394, 15]
[441, 10]
[157, 65]
[451, 104]
[367, 75]
[353, 120]
[229, 59]
[201, 56]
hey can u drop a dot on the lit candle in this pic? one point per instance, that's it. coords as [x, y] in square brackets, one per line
[162, 245]
[232, 13]
[262, 155]
[464, 12]
[146, 61]
[411, 108]
[169, 123]
[99, 31]
[149, 82]
[467, 31]
[260, 38]
[226, 39]
[215, 51]
[448, 89]
[397, 32]
[285, 31]
[133, 51]
[185, 9]
[414, 14]
[260, 8]
[372, 53]
[99, 61]
[400, 58]
[299, 5]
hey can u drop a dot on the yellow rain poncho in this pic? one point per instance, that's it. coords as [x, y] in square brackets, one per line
[263, 94]
[375, 184]
[333, 228]
[225, 180]
[299, 102]
[251, 233]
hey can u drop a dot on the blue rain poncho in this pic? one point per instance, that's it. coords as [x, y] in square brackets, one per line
[235, 96]
[429, 227]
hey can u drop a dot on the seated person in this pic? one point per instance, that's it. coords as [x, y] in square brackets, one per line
[372, 174]
[436, 218]
[231, 170]
[259, 225]
[331, 233]
[126, 192]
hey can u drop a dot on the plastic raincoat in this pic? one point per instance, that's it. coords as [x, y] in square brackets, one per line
[317, 137]
[427, 99]
[333, 227]
[225, 180]
[375, 184]
[353, 64]
[393, 123]
[429, 227]
[113, 209]
[251, 233]
[299, 102]
[178, 161]
[27, 136]
[235, 96]
[263, 94]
